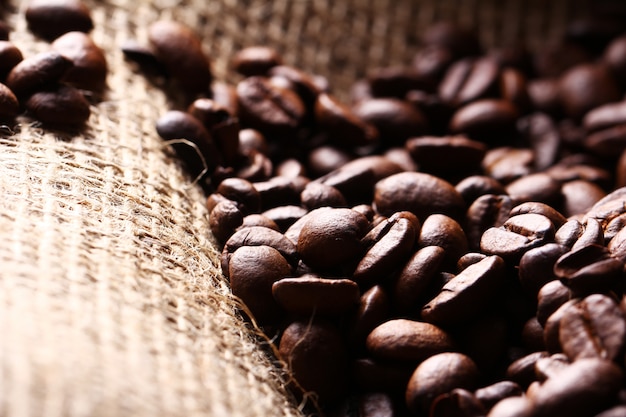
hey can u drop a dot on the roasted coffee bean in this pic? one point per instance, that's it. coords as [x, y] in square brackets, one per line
[242, 192]
[9, 106]
[258, 236]
[506, 164]
[396, 81]
[331, 237]
[388, 245]
[467, 294]
[438, 375]
[487, 120]
[59, 106]
[522, 370]
[615, 56]
[400, 157]
[569, 233]
[458, 402]
[475, 186]
[513, 88]
[277, 191]
[585, 87]
[268, 107]
[537, 187]
[468, 80]
[543, 137]
[454, 156]
[316, 355]
[89, 65]
[536, 266]
[209, 112]
[225, 95]
[416, 276]
[225, 218]
[285, 216]
[10, 56]
[552, 324]
[617, 411]
[50, 19]
[373, 309]
[579, 196]
[143, 56]
[593, 328]
[255, 167]
[496, 392]
[431, 63]
[517, 406]
[395, 120]
[517, 235]
[180, 50]
[200, 154]
[316, 195]
[617, 245]
[306, 85]
[609, 207]
[551, 366]
[252, 140]
[376, 404]
[555, 217]
[252, 220]
[36, 72]
[290, 168]
[420, 193]
[326, 159]
[256, 60]
[545, 96]
[583, 389]
[447, 233]
[589, 269]
[311, 294]
[486, 211]
[407, 340]
[342, 125]
[606, 129]
[252, 271]
[224, 128]
[468, 259]
[612, 228]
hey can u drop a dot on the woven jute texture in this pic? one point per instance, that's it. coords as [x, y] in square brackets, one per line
[111, 298]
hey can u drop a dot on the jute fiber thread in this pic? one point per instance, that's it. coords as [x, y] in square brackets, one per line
[111, 298]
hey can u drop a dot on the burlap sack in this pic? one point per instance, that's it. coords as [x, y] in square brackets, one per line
[111, 299]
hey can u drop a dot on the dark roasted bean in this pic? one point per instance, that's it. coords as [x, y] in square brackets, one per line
[488, 120]
[589, 269]
[395, 120]
[52, 18]
[468, 80]
[586, 86]
[60, 106]
[89, 64]
[256, 60]
[225, 218]
[36, 72]
[458, 402]
[494, 393]
[343, 126]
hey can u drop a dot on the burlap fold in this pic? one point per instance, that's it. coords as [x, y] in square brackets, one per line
[111, 299]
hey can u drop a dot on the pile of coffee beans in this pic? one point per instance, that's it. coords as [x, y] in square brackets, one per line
[449, 241]
[55, 86]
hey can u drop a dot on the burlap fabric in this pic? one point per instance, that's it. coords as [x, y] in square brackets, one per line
[111, 299]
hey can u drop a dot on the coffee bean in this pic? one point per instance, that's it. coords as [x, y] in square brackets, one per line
[252, 220]
[311, 294]
[589, 269]
[458, 402]
[257, 236]
[225, 218]
[437, 375]
[536, 266]
[306, 85]
[143, 56]
[468, 259]
[60, 106]
[466, 294]
[475, 186]
[268, 107]
[615, 56]
[388, 245]
[593, 328]
[486, 211]
[468, 80]
[445, 232]
[612, 228]
[517, 235]
[373, 309]
[10, 56]
[255, 167]
[36, 72]
[9, 106]
[506, 164]
[395, 120]
[376, 404]
[200, 154]
[252, 271]
[431, 63]
[89, 65]
[316, 356]
[242, 192]
[285, 216]
[579, 196]
[584, 388]
[555, 217]
[256, 60]
[50, 19]
[551, 366]
[316, 195]
[331, 237]
[180, 50]
[538, 187]
[522, 370]
[586, 86]
[513, 88]
[420, 193]
[552, 324]
[487, 120]
[542, 134]
[343, 126]
[496, 392]
[454, 156]
[545, 96]
[410, 288]
[512, 407]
